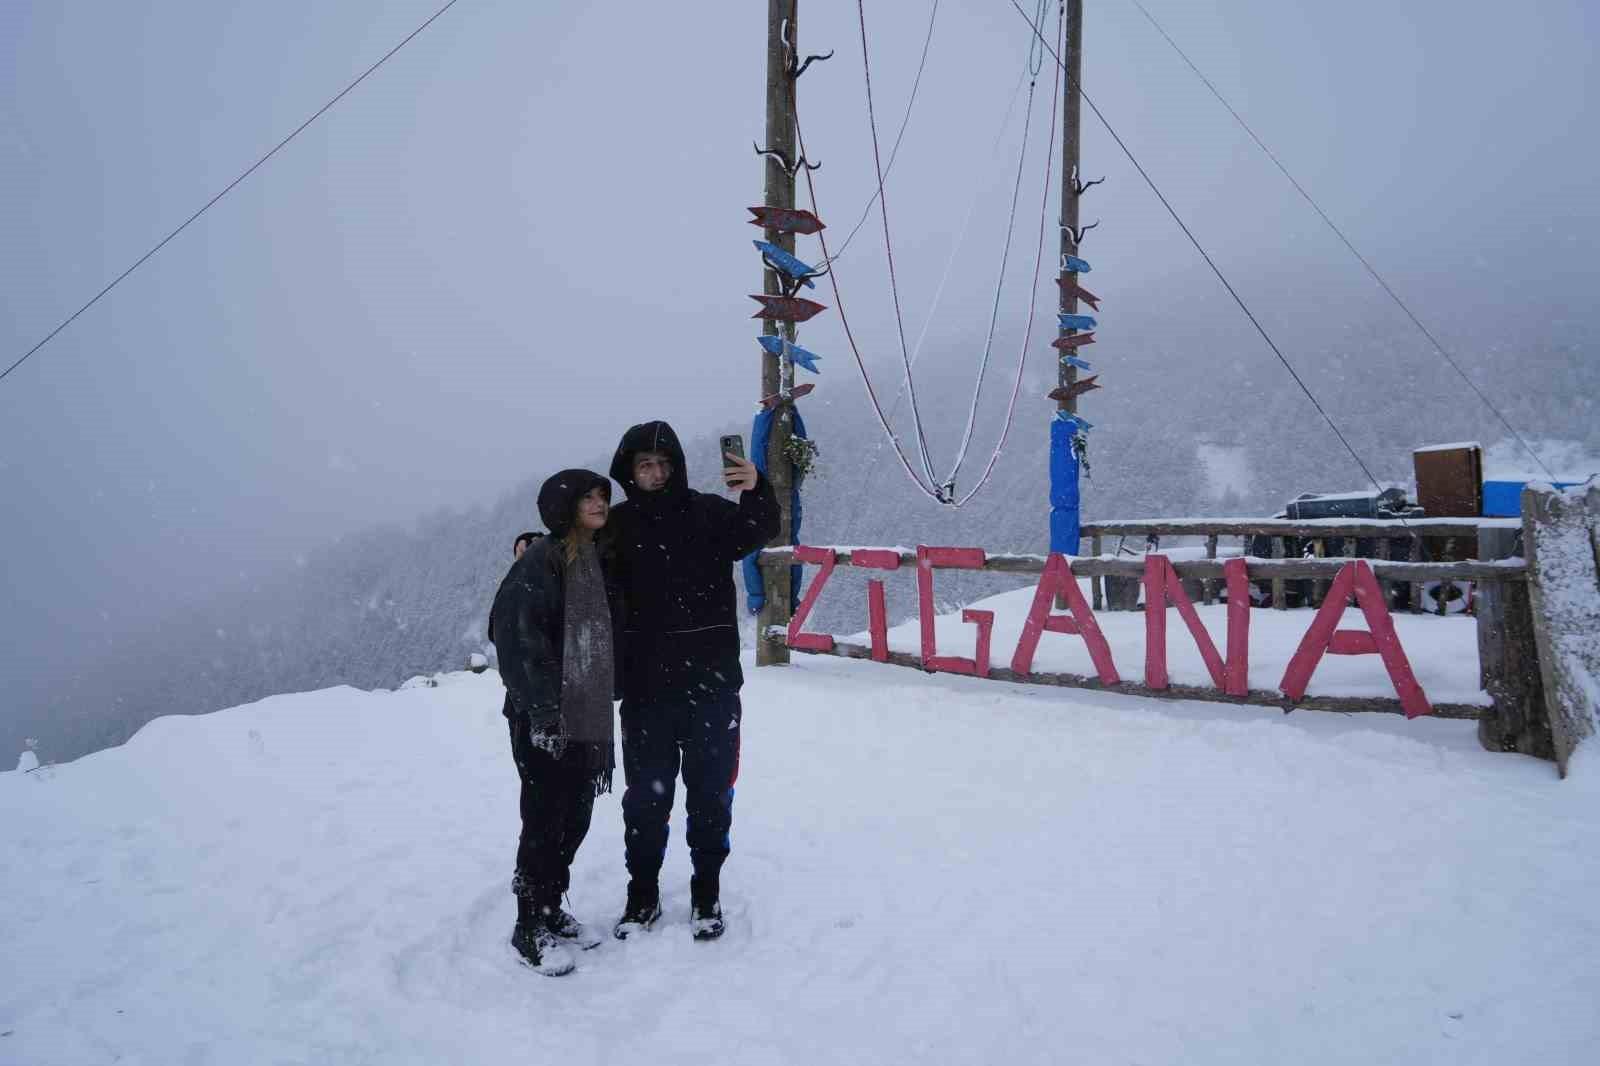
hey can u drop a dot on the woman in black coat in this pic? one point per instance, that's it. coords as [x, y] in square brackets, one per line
[554, 626]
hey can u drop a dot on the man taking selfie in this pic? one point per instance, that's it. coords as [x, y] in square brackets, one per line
[676, 549]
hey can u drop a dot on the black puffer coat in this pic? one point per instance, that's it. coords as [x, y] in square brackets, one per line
[528, 620]
[676, 549]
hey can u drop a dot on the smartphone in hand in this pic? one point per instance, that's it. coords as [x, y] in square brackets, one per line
[731, 443]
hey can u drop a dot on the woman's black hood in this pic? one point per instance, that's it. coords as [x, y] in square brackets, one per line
[649, 437]
[559, 496]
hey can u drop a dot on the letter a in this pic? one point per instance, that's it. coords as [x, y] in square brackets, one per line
[1378, 639]
[1057, 578]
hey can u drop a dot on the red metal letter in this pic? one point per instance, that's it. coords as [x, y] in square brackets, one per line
[955, 558]
[1057, 578]
[1238, 669]
[1161, 585]
[877, 611]
[811, 641]
[1380, 639]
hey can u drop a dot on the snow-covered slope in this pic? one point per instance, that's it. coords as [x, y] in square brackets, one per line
[925, 870]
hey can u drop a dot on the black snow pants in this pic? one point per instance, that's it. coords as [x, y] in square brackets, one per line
[557, 802]
[656, 737]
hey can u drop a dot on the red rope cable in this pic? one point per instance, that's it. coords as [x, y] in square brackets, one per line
[888, 247]
[844, 320]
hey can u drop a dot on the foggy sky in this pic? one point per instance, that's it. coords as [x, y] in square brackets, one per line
[526, 231]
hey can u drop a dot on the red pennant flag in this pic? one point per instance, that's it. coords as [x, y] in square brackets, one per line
[786, 219]
[1072, 288]
[1077, 340]
[769, 402]
[1077, 388]
[786, 308]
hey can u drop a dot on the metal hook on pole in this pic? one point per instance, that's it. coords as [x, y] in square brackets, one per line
[791, 56]
[789, 168]
[1079, 187]
[1077, 232]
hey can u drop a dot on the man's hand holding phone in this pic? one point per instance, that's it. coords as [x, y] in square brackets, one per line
[738, 473]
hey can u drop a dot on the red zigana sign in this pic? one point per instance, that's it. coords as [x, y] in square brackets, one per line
[1228, 670]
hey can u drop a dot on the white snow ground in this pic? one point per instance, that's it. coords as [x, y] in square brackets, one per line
[925, 870]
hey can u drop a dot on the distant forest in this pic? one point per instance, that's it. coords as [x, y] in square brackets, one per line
[1178, 432]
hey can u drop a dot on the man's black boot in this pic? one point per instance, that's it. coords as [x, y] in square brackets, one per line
[705, 908]
[642, 910]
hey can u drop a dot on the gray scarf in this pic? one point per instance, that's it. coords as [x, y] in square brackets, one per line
[586, 667]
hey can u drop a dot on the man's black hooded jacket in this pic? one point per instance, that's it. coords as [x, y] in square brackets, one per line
[675, 554]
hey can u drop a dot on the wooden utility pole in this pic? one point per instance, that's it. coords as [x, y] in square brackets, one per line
[1073, 62]
[777, 373]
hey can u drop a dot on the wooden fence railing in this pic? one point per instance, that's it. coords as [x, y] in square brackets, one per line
[1411, 540]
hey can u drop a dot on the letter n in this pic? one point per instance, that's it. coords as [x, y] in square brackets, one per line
[1379, 638]
[811, 641]
[1161, 586]
[1057, 579]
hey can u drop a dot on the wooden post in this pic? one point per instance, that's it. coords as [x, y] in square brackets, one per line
[1319, 587]
[1072, 61]
[1210, 586]
[1280, 598]
[1097, 545]
[1508, 659]
[776, 373]
[1415, 556]
[1561, 536]
[1072, 70]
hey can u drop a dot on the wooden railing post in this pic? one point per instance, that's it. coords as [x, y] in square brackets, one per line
[1561, 538]
[1097, 583]
[1508, 659]
[1210, 586]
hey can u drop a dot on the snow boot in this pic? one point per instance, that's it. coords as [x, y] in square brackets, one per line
[539, 947]
[705, 912]
[564, 925]
[641, 912]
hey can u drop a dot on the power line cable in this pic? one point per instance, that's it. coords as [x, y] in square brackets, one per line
[1372, 270]
[226, 190]
[894, 152]
[1226, 284]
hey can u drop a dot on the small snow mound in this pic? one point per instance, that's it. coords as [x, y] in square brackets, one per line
[420, 681]
[27, 761]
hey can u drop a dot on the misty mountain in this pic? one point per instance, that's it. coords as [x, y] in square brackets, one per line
[1177, 431]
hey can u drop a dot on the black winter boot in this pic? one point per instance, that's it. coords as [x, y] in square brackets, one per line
[642, 910]
[539, 947]
[564, 925]
[705, 909]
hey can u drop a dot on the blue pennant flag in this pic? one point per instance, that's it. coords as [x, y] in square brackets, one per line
[785, 262]
[801, 357]
[1074, 264]
[1072, 360]
[1076, 321]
